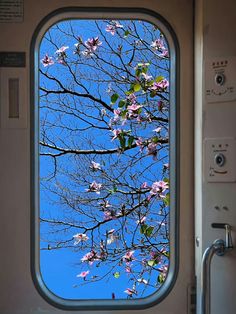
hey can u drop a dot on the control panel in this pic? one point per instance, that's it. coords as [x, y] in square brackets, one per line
[220, 75]
[220, 157]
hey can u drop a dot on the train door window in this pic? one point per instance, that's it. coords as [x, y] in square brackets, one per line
[105, 167]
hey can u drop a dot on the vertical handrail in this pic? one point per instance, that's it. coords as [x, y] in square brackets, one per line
[218, 247]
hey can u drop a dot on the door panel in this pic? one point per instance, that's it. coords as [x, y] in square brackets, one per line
[215, 120]
[18, 294]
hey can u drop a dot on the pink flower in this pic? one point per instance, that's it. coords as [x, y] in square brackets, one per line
[157, 129]
[130, 292]
[111, 28]
[117, 113]
[133, 111]
[105, 204]
[164, 270]
[142, 280]
[128, 269]
[134, 107]
[139, 142]
[80, 237]
[128, 257]
[132, 99]
[146, 77]
[116, 133]
[62, 49]
[159, 187]
[94, 187]
[111, 236]
[152, 150]
[160, 86]
[95, 166]
[109, 214]
[93, 43]
[90, 257]
[144, 185]
[164, 54]
[46, 61]
[155, 256]
[142, 220]
[158, 44]
[61, 54]
[83, 274]
[87, 53]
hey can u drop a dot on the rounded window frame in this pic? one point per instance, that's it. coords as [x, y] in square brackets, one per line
[106, 13]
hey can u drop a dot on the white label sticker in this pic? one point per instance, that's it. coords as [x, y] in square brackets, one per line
[11, 11]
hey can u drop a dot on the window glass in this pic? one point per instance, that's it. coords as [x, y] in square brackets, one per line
[104, 158]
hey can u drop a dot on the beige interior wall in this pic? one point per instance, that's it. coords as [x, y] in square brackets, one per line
[214, 37]
[17, 292]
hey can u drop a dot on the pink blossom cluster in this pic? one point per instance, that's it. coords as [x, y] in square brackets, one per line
[159, 45]
[160, 86]
[113, 26]
[116, 133]
[91, 45]
[61, 54]
[46, 61]
[128, 257]
[158, 188]
[94, 187]
[133, 110]
[110, 214]
[152, 150]
[90, 257]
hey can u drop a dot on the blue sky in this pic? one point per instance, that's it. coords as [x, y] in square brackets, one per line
[66, 122]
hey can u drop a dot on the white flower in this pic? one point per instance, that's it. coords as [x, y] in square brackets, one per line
[80, 237]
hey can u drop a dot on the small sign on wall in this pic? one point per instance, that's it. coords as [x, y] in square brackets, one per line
[12, 59]
[11, 11]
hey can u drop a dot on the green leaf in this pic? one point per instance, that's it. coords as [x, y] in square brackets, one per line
[130, 141]
[149, 231]
[159, 78]
[161, 278]
[116, 274]
[143, 229]
[138, 72]
[167, 254]
[121, 103]
[146, 230]
[127, 33]
[153, 94]
[167, 199]
[144, 70]
[129, 92]
[155, 139]
[152, 263]
[122, 141]
[137, 87]
[114, 98]
[150, 83]
[123, 114]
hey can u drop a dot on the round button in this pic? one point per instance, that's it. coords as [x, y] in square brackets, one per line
[220, 160]
[220, 79]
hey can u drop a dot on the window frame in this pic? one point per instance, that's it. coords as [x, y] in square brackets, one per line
[174, 144]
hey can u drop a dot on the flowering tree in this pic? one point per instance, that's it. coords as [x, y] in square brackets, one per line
[104, 151]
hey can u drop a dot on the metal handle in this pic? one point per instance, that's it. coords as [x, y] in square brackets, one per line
[220, 248]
